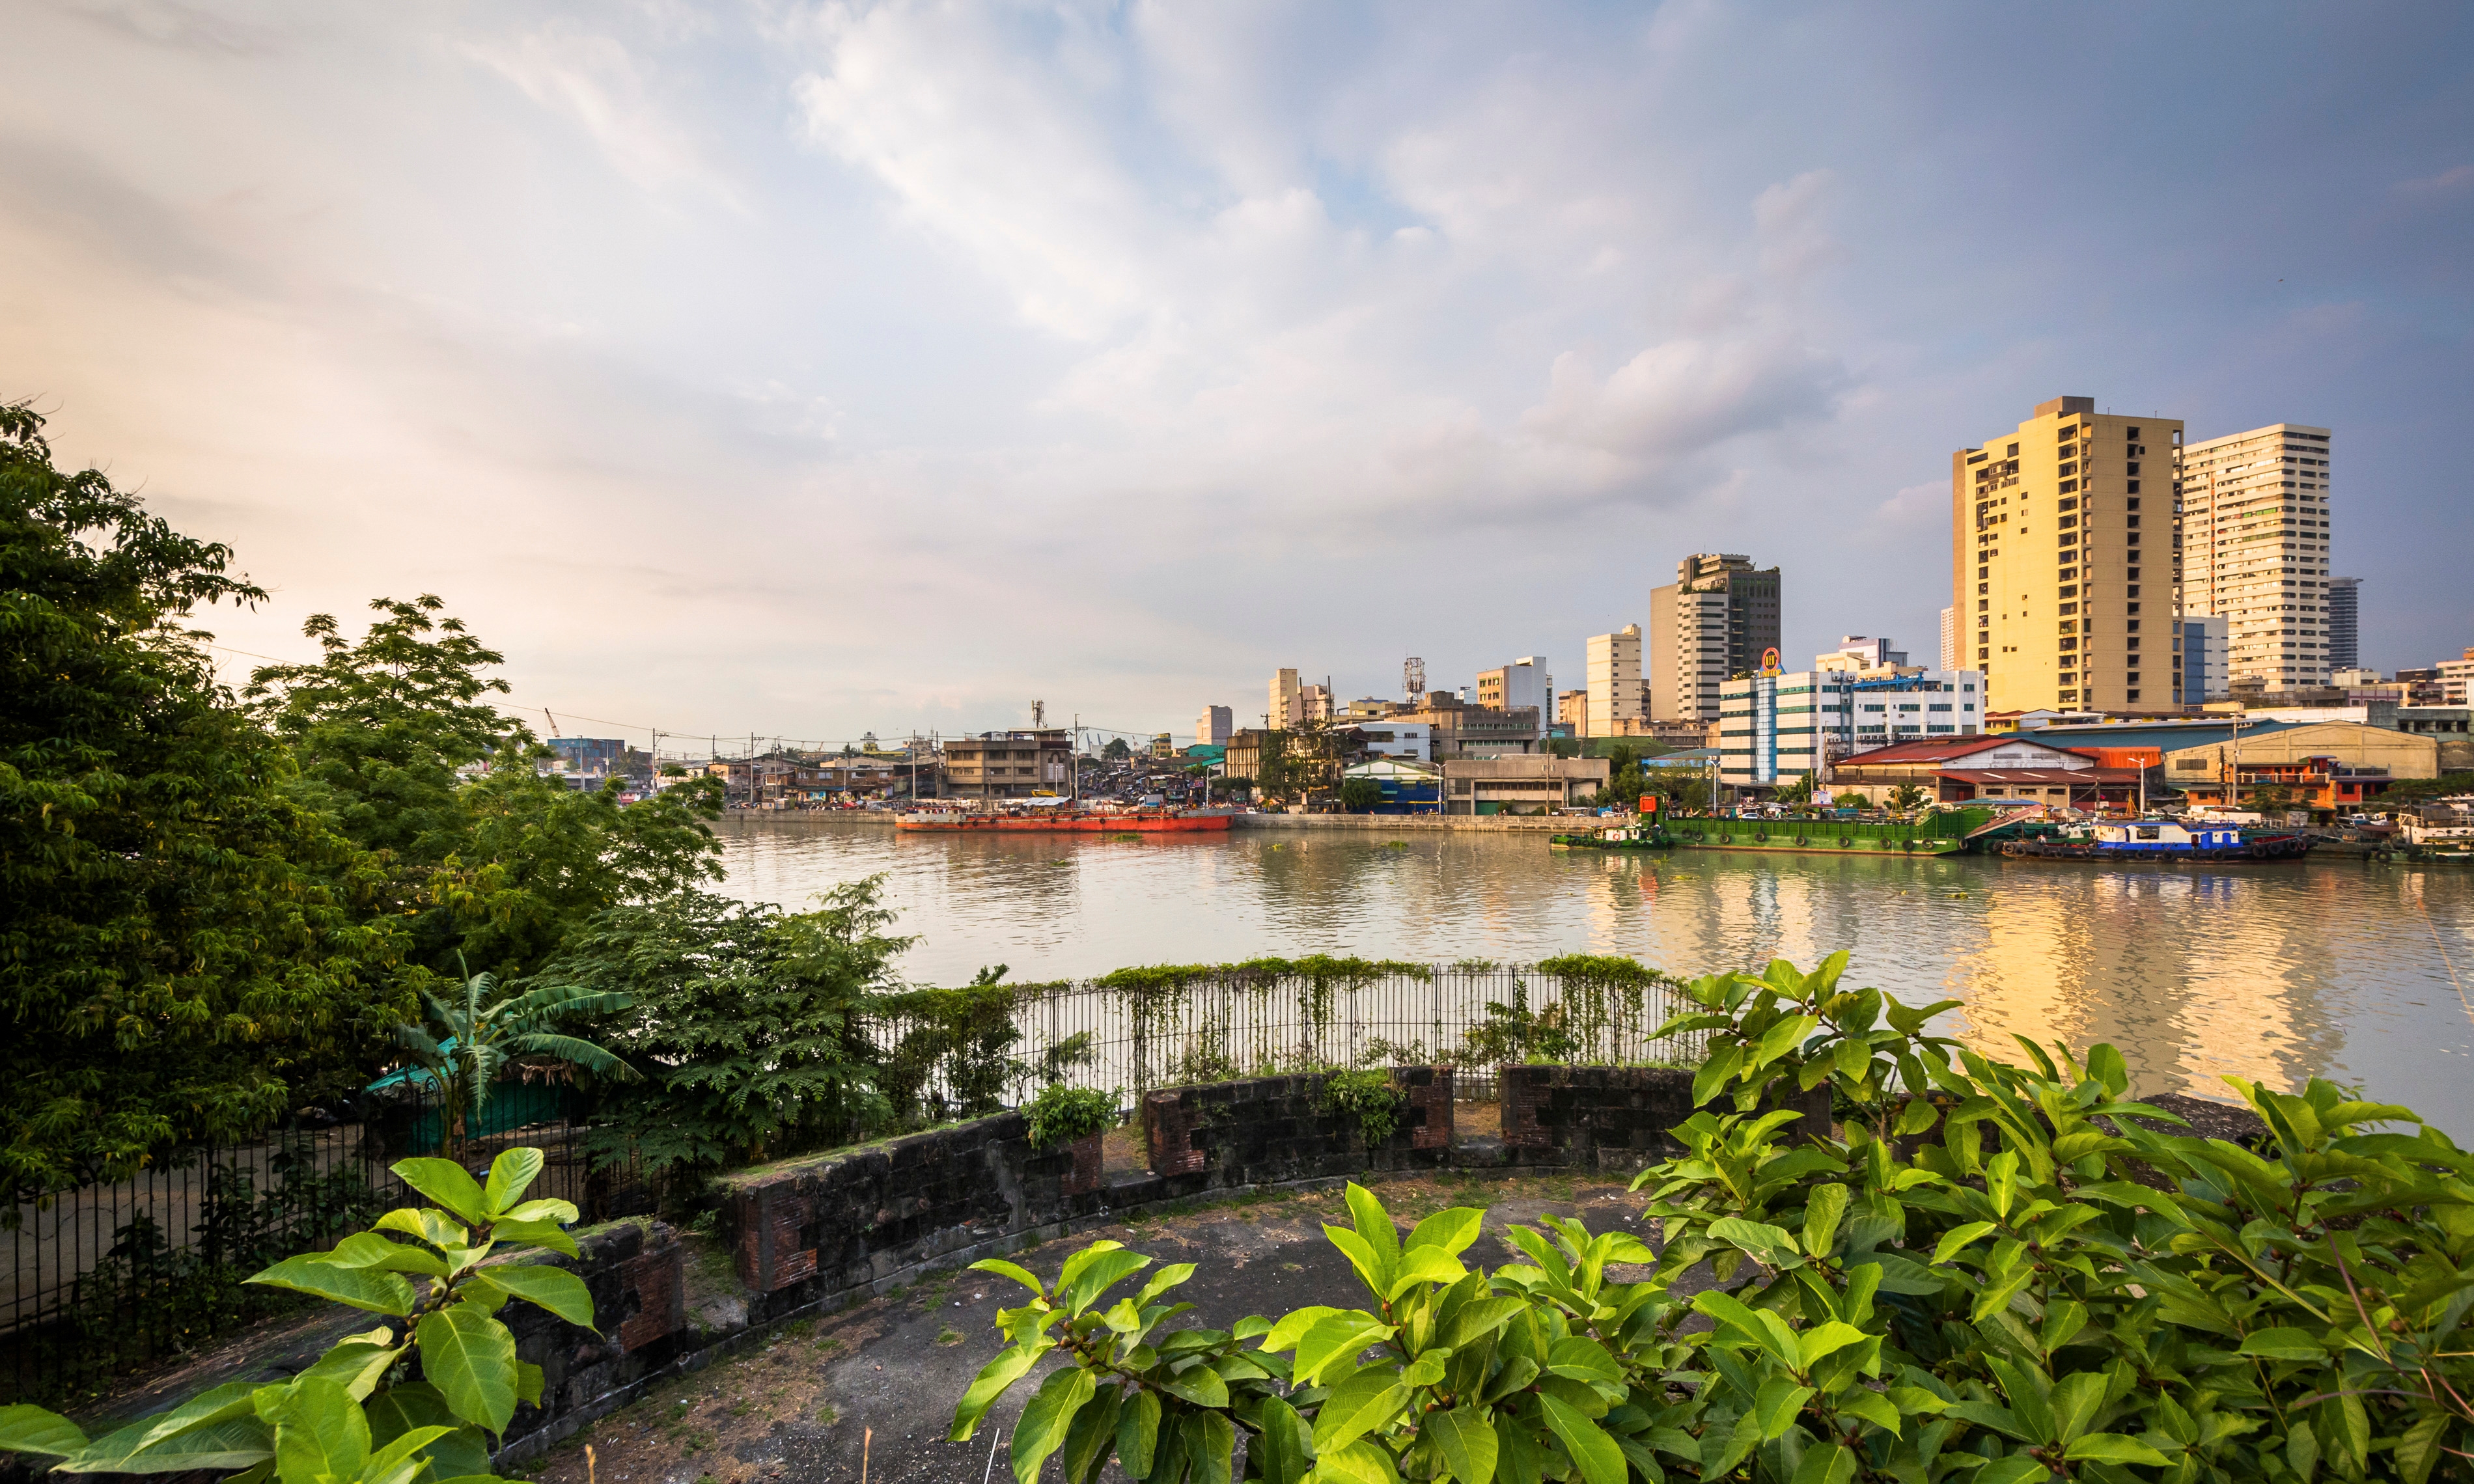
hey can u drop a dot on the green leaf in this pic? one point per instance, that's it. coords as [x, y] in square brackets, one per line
[2113, 1447]
[1453, 1230]
[1768, 1244]
[1823, 1209]
[2283, 1343]
[399, 1409]
[444, 1181]
[471, 1359]
[1359, 1463]
[1081, 1291]
[1371, 1270]
[2418, 1448]
[556, 1212]
[1199, 1384]
[1278, 1451]
[1466, 1436]
[1783, 1037]
[395, 1453]
[1093, 1433]
[1375, 1224]
[1826, 1339]
[1015, 1271]
[1715, 1072]
[1477, 1319]
[1956, 1240]
[374, 1289]
[237, 1442]
[2078, 1398]
[2017, 1468]
[1335, 1338]
[1826, 1463]
[1009, 1367]
[1600, 1461]
[556, 1289]
[27, 1429]
[1294, 1324]
[1368, 1399]
[1424, 1265]
[1583, 1359]
[1775, 1408]
[1045, 1418]
[534, 1234]
[1138, 1433]
[510, 1173]
[369, 1250]
[1870, 1405]
[1210, 1447]
[357, 1365]
[1167, 1279]
[319, 1430]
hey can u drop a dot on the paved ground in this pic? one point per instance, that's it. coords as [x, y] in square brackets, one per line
[798, 1407]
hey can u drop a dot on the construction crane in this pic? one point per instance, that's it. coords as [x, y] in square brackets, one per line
[1413, 677]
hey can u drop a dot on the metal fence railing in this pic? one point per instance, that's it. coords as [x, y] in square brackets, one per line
[1239, 1024]
[111, 1277]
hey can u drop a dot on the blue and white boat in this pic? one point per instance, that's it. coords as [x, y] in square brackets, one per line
[2159, 840]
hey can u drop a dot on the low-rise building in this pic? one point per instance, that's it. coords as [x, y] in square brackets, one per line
[1960, 770]
[1775, 729]
[1531, 783]
[2320, 765]
[1011, 764]
[1408, 741]
[1408, 787]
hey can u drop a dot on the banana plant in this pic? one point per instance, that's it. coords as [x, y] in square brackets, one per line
[354, 1415]
[468, 1041]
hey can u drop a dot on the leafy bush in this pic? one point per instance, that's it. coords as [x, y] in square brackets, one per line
[1369, 1097]
[2054, 1286]
[351, 1417]
[1061, 1114]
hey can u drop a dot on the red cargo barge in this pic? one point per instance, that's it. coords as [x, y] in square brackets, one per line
[1145, 821]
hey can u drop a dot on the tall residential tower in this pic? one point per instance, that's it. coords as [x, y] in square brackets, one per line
[2255, 531]
[2054, 573]
[1716, 620]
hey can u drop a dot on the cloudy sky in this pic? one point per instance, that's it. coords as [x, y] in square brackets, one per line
[806, 369]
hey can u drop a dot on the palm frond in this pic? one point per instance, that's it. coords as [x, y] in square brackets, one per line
[583, 1053]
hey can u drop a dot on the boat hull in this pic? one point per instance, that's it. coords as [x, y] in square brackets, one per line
[1066, 825]
[2275, 848]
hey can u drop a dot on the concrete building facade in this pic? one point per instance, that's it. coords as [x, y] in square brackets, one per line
[1011, 764]
[1523, 682]
[1718, 618]
[1212, 728]
[2343, 641]
[1284, 707]
[1775, 729]
[2203, 660]
[2255, 522]
[1614, 682]
[1532, 784]
[2064, 559]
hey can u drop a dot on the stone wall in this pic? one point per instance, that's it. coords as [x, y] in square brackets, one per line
[1610, 1118]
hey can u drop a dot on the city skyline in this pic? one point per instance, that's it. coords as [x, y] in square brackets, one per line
[733, 372]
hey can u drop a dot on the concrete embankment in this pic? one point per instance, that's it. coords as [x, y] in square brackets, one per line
[1399, 823]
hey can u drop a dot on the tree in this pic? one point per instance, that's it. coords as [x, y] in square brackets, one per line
[470, 1038]
[745, 1023]
[1276, 771]
[1564, 747]
[1116, 751]
[493, 870]
[1907, 796]
[1360, 795]
[1621, 755]
[1798, 792]
[176, 958]
[1851, 800]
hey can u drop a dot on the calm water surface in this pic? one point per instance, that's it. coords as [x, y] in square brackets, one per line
[2332, 967]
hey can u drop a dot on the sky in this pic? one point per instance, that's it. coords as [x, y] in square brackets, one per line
[812, 370]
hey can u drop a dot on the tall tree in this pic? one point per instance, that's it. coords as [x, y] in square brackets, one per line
[176, 958]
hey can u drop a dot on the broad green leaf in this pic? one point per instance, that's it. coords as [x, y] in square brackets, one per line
[1466, 1436]
[1278, 1451]
[471, 1359]
[1775, 1408]
[27, 1429]
[528, 1383]
[2078, 1398]
[319, 1430]
[1294, 1325]
[444, 1181]
[1826, 1463]
[1715, 1074]
[1046, 1418]
[398, 1450]
[1165, 1280]
[1015, 1271]
[369, 1250]
[1872, 1406]
[534, 1234]
[1375, 1224]
[1477, 1319]
[1138, 1433]
[1600, 1461]
[436, 1228]
[374, 1289]
[556, 1289]
[2113, 1447]
[1424, 1265]
[1957, 1239]
[1768, 1244]
[1452, 1230]
[1211, 1448]
[2017, 1468]
[1078, 1293]
[1199, 1384]
[510, 1173]
[1359, 1463]
[1783, 1037]
[1999, 1418]
[235, 1443]
[1083, 1258]
[1370, 1398]
[2419, 1447]
[554, 1212]
[1823, 1209]
[1827, 1339]
[1009, 1367]
[1334, 1338]
[2282, 1345]
[418, 1404]
[1583, 1359]
[1093, 1433]
[357, 1365]
[1371, 1270]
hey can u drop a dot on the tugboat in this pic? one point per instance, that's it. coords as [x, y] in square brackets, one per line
[2160, 841]
[1643, 832]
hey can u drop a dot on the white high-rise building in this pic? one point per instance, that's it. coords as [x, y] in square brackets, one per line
[1614, 682]
[2255, 514]
[1950, 638]
[1777, 728]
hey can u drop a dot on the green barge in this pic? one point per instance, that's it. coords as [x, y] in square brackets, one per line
[1942, 832]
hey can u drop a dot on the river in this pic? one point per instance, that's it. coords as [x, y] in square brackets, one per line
[2332, 968]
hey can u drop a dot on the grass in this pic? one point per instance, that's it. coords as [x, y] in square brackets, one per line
[827, 1415]
[949, 1335]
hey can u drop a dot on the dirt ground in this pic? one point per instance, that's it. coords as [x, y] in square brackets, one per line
[799, 1406]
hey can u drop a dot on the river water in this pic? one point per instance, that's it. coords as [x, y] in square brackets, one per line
[2330, 968]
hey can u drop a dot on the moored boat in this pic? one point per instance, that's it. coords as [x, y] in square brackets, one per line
[1139, 821]
[2158, 842]
[1621, 837]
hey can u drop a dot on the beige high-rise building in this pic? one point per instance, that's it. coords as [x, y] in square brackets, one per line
[1717, 619]
[1286, 706]
[1614, 682]
[2064, 560]
[2255, 549]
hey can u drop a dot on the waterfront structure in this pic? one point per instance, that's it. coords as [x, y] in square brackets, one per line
[1523, 682]
[1614, 682]
[1537, 783]
[1408, 787]
[2052, 572]
[2255, 521]
[1719, 617]
[1011, 764]
[1961, 770]
[2343, 621]
[2204, 676]
[1212, 728]
[2317, 765]
[1775, 729]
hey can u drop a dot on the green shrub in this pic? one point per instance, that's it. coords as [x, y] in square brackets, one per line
[1991, 1274]
[351, 1417]
[1061, 1114]
[1369, 1097]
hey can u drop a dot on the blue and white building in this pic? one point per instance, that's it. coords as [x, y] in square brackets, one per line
[1775, 729]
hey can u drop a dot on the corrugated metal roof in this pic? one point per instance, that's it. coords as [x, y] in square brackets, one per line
[2169, 735]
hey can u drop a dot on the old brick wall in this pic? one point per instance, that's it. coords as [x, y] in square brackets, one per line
[1610, 1117]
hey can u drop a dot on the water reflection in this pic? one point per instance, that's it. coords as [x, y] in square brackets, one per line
[2274, 972]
